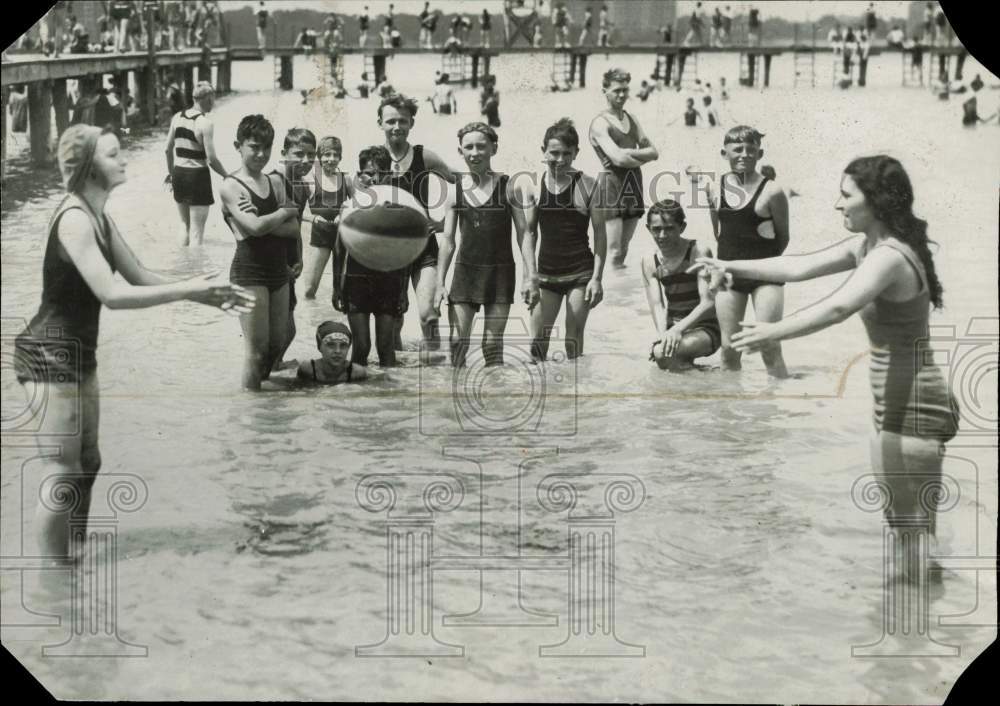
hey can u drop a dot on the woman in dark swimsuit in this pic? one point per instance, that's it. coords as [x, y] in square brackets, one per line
[55, 356]
[334, 367]
[892, 288]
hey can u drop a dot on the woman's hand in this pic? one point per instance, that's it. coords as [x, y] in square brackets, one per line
[594, 293]
[714, 272]
[338, 300]
[440, 295]
[231, 298]
[754, 336]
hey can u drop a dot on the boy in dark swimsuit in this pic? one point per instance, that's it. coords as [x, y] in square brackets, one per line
[361, 292]
[622, 146]
[681, 303]
[334, 367]
[486, 205]
[412, 166]
[262, 225]
[750, 219]
[562, 209]
[298, 155]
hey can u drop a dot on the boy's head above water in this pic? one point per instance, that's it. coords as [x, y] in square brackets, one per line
[665, 220]
[374, 164]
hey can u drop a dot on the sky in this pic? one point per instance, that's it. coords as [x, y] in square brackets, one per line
[791, 10]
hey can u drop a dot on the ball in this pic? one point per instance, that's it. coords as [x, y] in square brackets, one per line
[385, 228]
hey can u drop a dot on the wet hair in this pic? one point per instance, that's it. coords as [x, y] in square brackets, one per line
[377, 155]
[667, 208]
[743, 133]
[563, 131]
[616, 76]
[203, 89]
[399, 102]
[707, 100]
[330, 144]
[889, 194]
[768, 172]
[255, 126]
[298, 135]
[478, 127]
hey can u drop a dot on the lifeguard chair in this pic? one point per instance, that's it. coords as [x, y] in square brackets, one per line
[520, 19]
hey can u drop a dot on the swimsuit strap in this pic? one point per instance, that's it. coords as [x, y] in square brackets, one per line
[313, 364]
[270, 190]
[350, 371]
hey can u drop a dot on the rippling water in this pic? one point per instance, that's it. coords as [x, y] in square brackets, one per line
[747, 573]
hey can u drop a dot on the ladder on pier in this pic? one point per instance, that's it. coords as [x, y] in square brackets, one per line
[458, 66]
[687, 68]
[563, 68]
[277, 70]
[805, 68]
[330, 71]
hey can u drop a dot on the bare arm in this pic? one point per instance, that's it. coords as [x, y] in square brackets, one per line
[792, 268]
[447, 249]
[170, 148]
[645, 152]
[250, 224]
[778, 207]
[881, 269]
[519, 200]
[208, 139]
[77, 237]
[618, 156]
[654, 297]
[437, 165]
[598, 220]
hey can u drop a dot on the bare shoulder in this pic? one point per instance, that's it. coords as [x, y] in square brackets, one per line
[647, 267]
[701, 250]
[74, 224]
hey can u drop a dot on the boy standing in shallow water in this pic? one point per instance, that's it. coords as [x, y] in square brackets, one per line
[361, 292]
[485, 204]
[298, 154]
[750, 219]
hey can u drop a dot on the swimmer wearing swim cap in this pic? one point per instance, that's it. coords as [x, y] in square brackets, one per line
[333, 339]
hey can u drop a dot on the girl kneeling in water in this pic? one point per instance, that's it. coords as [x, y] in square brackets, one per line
[334, 367]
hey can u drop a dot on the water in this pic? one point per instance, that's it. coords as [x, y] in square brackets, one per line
[747, 573]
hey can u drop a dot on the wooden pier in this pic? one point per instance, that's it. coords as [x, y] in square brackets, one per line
[46, 77]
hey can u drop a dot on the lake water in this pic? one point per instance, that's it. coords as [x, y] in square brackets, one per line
[747, 573]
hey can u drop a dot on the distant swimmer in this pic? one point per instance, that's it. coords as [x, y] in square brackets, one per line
[681, 303]
[603, 27]
[364, 22]
[622, 146]
[263, 227]
[190, 152]
[562, 209]
[86, 266]
[488, 209]
[645, 91]
[750, 217]
[443, 101]
[711, 115]
[489, 101]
